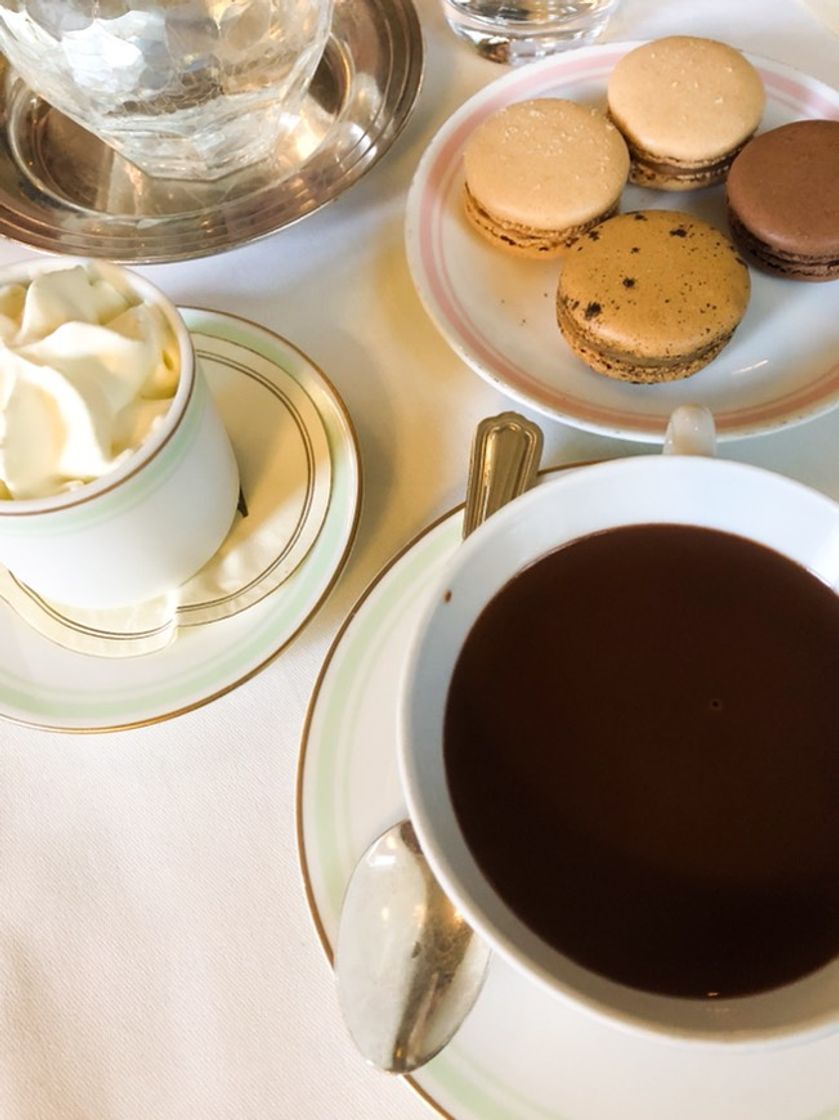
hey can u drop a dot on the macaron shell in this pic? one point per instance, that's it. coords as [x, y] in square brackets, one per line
[783, 198]
[655, 289]
[685, 98]
[546, 164]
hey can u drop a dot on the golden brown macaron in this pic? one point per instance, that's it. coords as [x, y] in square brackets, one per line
[539, 173]
[651, 296]
[686, 106]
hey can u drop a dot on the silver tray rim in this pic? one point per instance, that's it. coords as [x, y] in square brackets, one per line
[184, 236]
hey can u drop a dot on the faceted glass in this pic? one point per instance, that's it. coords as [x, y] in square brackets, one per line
[516, 31]
[186, 89]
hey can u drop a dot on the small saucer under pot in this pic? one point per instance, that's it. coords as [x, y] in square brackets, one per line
[300, 472]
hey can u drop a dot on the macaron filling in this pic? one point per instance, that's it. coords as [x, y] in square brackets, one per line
[647, 168]
[776, 260]
[529, 239]
[640, 370]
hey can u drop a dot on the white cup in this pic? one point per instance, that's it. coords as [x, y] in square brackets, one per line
[678, 488]
[145, 527]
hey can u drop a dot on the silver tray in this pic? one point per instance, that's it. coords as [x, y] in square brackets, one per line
[64, 191]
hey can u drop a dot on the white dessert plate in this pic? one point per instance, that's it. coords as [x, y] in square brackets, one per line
[498, 312]
[46, 685]
[522, 1054]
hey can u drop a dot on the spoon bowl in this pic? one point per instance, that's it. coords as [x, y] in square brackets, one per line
[409, 967]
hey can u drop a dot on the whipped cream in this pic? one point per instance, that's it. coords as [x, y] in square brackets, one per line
[86, 375]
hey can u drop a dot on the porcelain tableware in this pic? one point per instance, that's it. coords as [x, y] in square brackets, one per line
[752, 503]
[146, 526]
[256, 378]
[498, 313]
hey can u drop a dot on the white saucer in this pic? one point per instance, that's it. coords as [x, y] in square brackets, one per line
[498, 312]
[522, 1054]
[46, 685]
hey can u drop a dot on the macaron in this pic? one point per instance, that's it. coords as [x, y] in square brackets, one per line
[783, 200]
[651, 296]
[539, 173]
[686, 106]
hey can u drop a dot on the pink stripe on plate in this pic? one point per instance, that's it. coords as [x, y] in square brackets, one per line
[799, 96]
[804, 99]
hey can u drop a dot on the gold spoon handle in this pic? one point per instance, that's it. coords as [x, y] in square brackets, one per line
[505, 458]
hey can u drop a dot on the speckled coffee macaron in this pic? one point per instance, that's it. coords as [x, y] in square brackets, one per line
[539, 173]
[783, 200]
[686, 106]
[651, 296]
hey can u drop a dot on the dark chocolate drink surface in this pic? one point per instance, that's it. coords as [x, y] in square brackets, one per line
[642, 749]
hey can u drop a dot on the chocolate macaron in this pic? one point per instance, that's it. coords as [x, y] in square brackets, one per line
[541, 172]
[783, 200]
[651, 296]
[685, 106]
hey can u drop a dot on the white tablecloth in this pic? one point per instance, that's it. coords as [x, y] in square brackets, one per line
[157, 959]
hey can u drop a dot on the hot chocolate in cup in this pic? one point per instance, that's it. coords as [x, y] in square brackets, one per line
[155, 516]
[618, 749]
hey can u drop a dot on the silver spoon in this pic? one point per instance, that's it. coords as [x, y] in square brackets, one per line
[409, 968]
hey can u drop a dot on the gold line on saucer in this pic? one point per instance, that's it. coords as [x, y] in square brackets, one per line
[79, 627]
[310, 477]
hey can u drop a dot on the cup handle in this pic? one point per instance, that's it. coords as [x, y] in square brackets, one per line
[691, 431]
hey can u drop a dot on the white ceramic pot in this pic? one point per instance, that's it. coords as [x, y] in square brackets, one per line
[145, 527]
[753, 503]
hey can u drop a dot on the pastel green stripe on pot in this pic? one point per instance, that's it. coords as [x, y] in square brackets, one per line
[127, 494]
[249, 337]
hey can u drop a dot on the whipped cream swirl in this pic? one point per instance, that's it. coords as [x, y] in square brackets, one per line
[85, 376]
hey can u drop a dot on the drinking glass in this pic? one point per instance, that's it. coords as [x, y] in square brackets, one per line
[185, 89]
[517, 31]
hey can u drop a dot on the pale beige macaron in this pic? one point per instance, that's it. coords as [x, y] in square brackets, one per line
[539, 173]
[686, 107]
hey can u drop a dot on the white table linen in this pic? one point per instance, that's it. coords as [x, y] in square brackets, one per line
[157, 959]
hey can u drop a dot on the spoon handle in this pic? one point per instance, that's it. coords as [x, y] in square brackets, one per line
[505, 458]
